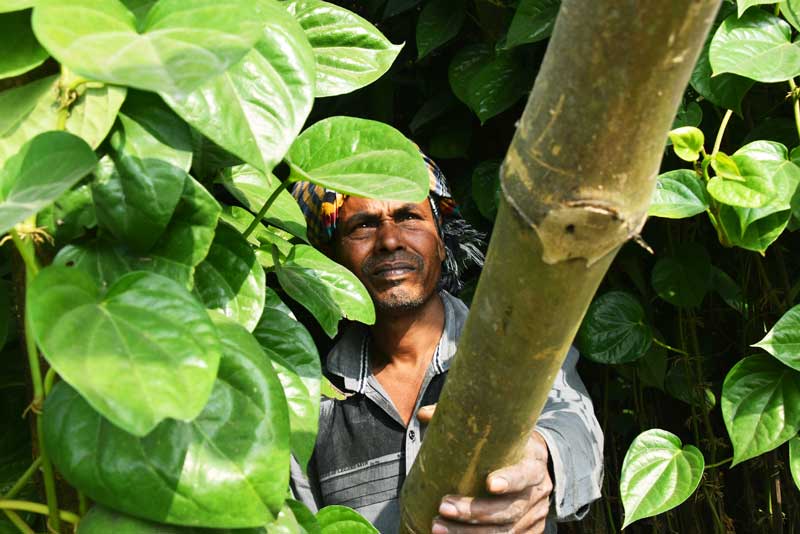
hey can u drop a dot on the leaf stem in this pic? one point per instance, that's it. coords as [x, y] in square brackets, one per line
[721, 462]
[18, 522]
[669, 347]
[795, 104]
[38, 508]
[263, 210]
[26, 250]
[23, 479]
[49, 378]
[721, 131]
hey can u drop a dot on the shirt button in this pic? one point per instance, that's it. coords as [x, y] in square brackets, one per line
[411, 435]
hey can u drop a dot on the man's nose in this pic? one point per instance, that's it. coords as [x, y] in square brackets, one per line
[389, 236]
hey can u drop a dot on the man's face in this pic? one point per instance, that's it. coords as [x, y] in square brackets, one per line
[393, 248]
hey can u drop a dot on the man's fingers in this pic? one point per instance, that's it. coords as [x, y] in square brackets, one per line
[425, 413]
[499, 510]
[517, 477]
[490, 520]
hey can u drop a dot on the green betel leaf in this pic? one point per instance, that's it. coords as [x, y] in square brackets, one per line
[70, 216]
[794, 460]
[760, 406]
[15, 5]
[533, 21]
[439, 21]
[253, 188]
[262, 236]
[783, 341]
[102, 520]
[227, 468]
[183, 245]
[336, 519]
[43, 169]
[137, 188]
[486, 188]
[689, 114]
[326, 289]
[760, 234]
[758, 46]
[614, 329]
[33, 109]
[360, 157]
[726, 167]
[687, 142]
[174, 49]
[742, 5]
[678, 194]
[295, 358]
[728, 289]
[230, 279]
[751, 187]
[256, 108]
[683, 279]
[350, 52]
[658, 474]
[487, 82]
[791, 11]
[150, 345]
[305, 518]
[22, 52]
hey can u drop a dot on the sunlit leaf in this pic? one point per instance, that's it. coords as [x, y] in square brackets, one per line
[102, 520]
[687, 141]
[760, 406]
[783, 341]
[751, 188]
[343, 520]
[678, 194]
[658, 474]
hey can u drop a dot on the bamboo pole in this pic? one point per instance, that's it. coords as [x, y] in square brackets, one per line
[577, 181]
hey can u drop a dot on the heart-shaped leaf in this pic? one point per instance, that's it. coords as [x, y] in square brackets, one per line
[350, 52]
[326, 289]
[136, 193]
[360, 157]
[658, 474]
[760, 406]
[266, 97]
[687, 142]
[533, 21]
[439, 21]
[683, 279]
[751, 187]
[794, 460]
[486, 81]
[227, 468]
[614, 329]
[22, 52]
[294, 357]
[783, 341]
[151, 348]
[33, 109]
[678, 194]
[336, 519]
[758, 45]
[230, 279]
[102, 520]
[174, 49]
[759, 235]
[182, 246]
[253, 188]
[43, 169]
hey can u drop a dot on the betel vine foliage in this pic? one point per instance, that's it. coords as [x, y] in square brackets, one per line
[137, 189]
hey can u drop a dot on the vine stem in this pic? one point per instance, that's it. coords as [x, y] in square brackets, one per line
[263, 210]
[721, 462]
[28, 254]
[669, 347]
[795, 104]
[18, 522]
[38, 508]
[721, 131]
[22, 480]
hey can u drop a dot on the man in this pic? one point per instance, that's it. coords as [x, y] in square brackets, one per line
[407, 256]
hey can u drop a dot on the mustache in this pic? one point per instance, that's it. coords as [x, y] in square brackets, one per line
[369, 264]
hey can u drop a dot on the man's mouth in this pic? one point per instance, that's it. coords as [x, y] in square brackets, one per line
[392, 270]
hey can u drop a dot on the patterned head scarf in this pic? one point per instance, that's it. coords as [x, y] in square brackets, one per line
[463, 244]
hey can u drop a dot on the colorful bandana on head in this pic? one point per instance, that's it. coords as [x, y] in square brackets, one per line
[464, 245]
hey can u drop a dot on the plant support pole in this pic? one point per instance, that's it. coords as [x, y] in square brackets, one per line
[577, 181]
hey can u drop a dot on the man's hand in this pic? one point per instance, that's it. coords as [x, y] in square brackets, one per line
[520, 501]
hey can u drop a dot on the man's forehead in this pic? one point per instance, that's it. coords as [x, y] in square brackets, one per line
[358, 205]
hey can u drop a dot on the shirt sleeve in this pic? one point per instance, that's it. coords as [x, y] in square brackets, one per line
[575, 441]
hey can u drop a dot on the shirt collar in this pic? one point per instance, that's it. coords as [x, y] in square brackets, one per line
[349, 358]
